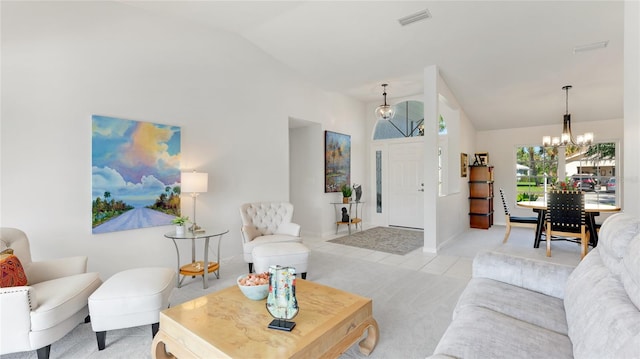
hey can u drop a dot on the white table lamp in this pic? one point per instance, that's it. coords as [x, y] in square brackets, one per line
[194, 183]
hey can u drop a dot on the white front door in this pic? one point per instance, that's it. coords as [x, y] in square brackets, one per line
[406, 185]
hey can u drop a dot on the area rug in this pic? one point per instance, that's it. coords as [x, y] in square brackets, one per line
[384, 239]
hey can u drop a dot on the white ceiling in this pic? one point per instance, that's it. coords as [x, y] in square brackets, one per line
[506, 61]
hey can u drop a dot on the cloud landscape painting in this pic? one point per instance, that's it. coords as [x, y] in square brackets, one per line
[135, 174]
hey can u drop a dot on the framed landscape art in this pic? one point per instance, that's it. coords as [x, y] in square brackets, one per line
[337, 161]
[135, 174]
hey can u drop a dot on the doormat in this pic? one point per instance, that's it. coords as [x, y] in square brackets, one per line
[385, 239]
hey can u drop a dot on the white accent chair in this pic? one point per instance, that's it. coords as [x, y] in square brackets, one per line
[266, 222]
[52, 304]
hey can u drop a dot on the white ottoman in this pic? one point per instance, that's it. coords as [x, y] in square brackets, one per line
[130, 298]
[289, 254]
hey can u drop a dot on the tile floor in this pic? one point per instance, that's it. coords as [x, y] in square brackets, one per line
[456, 256]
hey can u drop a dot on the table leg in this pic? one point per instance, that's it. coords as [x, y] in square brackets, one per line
[178, 282]
[539, 227]
[178, 349]
[217, 272]
[205, 275]
[353, 334]
[591, 226]
[193, 253]
[159, 348]
[369, 343]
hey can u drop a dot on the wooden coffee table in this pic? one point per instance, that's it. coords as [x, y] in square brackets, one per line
[226, 324]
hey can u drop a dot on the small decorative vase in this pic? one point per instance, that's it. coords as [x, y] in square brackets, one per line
[281, 300]
[179, 230]
[345, 199]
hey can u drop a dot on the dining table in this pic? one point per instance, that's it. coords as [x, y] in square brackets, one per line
[592, 210]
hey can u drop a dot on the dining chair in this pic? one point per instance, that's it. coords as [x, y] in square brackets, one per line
[566, 217]
[512, 221]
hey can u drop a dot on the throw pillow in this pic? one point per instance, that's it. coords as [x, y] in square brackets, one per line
[7, 251]
[11, 271]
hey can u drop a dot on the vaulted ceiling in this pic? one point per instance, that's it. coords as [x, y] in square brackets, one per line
[506, 61]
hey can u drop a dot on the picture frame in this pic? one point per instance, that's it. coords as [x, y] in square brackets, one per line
[337, 161]
[482, 158]
[126, 153]
[464, 163]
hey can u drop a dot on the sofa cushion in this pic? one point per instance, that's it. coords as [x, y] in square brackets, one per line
[519, 303]
[272, 238]
[523, 272]
[630, 274]
[629, 349]
[59, 299]
[614, 237]
[600, 316]
[478, 332]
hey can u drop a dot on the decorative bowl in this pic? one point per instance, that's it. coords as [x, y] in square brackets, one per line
[253, 292]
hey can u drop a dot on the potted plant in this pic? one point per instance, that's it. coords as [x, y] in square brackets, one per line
[180, 224]
[346, 193]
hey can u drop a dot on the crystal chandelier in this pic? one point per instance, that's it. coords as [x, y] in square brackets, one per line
[567, 138]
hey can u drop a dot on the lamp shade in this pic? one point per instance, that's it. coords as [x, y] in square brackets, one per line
[194, 182]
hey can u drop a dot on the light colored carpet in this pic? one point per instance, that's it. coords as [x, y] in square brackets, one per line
[413, 295]
[384, 239]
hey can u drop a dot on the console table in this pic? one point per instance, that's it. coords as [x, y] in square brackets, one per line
[196, 268]
[354, 211]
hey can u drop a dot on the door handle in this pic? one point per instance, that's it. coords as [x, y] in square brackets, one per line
[421, 190]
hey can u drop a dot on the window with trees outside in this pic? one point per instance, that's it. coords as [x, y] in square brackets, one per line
[589, 168]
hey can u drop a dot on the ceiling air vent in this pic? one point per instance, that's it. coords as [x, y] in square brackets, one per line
[420, 15]
[590, 47]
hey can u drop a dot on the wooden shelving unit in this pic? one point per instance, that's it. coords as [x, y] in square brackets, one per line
[481, 196]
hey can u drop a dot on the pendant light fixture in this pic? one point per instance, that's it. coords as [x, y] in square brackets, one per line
[567, 138]
[385, 112]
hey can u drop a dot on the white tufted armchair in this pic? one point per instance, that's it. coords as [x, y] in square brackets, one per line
[266, 222]
[54, 301]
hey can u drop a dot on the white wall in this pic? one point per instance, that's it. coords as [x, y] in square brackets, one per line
[453, 209]
[340, 114]
[63, 62]
[501, 146]
[631, 178]
[307, 177]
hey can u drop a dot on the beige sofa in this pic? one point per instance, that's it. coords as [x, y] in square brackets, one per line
[523, 308]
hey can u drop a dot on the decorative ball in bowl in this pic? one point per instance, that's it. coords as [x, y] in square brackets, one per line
[254, 286]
